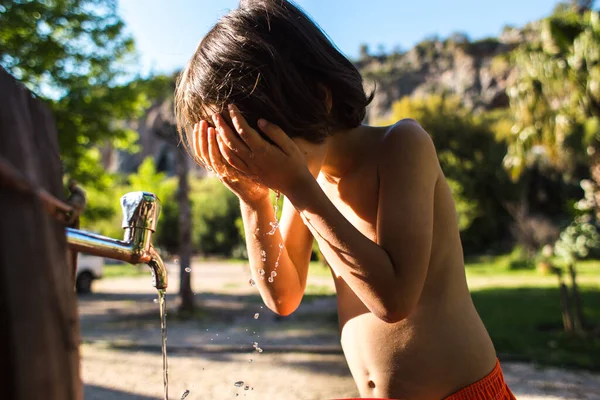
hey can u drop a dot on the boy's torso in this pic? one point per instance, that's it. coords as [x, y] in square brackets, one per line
[434, 343]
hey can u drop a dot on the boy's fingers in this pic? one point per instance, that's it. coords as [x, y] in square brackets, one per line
[248, 135]
[230, 157]
[230, 139]
[216, 160]
[277, 135]
[203, 144]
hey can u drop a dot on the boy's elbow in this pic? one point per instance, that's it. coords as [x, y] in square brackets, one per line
[395, 312]
[284, 308]
[393, 316]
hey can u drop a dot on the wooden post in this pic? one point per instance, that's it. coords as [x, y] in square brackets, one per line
[39, 332]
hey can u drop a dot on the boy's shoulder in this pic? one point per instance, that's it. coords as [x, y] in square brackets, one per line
[406, 137]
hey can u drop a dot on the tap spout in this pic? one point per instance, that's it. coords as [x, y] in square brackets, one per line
[140, 214]
[159, 271]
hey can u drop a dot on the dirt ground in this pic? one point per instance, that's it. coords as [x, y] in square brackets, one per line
[121, 357]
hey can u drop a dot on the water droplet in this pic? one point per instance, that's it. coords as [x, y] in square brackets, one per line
[188, 270]
[274, 273]
[251, 282]
[261, 307]
[239, 384]
[274, 226]
[155, 301]
[207, 330]
[256, 315]
[281, 245]
[255, 344]
[250, 361]
[261, 272]
[185, 394]
[259, 349]
[270, 279]
[246, 387]
[217, 334]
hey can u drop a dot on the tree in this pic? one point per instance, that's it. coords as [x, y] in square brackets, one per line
[577, 241]
[73, 54]
[556, 101]
[163, 125]
[363, 52]
[556, 94]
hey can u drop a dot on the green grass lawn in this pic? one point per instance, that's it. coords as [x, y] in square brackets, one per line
[521, 310]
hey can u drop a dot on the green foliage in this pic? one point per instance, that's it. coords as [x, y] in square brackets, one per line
[471, 155]
[74, 55]
[215, 211]
[556, 94]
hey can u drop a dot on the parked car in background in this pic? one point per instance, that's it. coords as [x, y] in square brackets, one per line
[89, 268]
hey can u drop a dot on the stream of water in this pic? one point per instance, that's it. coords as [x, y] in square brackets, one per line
[162, 302]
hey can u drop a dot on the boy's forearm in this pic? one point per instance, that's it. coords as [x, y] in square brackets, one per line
[283, 294]
[365, 266]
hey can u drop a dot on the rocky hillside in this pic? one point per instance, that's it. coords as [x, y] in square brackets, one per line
[477, 72]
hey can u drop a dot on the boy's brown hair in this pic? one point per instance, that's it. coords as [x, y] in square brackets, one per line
[273, 62]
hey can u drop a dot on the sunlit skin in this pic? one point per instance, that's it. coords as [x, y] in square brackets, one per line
[381, 211]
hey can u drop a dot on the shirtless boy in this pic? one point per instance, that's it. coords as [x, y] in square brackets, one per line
[268, 103]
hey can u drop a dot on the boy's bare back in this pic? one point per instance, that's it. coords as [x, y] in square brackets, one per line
[443, 339]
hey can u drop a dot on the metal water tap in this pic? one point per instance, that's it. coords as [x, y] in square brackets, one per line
[140, 215]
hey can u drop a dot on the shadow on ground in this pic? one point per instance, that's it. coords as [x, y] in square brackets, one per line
[93, 392]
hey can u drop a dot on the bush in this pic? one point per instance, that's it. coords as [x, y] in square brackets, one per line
[215, 211]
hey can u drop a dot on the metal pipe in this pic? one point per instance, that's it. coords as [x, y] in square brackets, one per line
[140, 215]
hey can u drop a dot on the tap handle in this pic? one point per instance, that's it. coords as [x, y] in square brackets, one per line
[140, 210]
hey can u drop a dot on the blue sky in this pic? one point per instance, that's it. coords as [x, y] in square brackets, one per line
[167, 32]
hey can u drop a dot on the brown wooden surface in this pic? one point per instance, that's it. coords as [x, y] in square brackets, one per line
[39, 332]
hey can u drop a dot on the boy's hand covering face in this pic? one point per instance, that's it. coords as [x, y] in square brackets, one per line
[244, 155]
